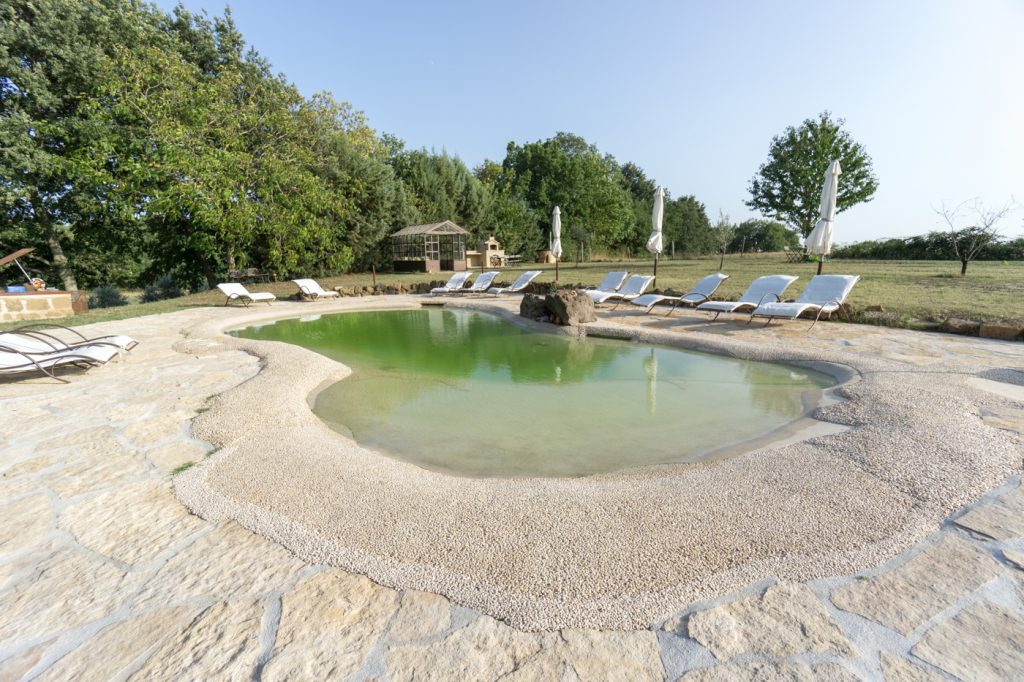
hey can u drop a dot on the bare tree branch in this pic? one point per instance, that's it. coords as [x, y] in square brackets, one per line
[982, 228]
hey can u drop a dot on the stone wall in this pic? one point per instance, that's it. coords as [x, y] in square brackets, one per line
[39, 305]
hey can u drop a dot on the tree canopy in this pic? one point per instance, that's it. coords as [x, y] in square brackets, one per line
[136, 143]
[787, 186]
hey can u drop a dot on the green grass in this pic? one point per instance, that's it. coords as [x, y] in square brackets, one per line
[182, 467]
[909, 292]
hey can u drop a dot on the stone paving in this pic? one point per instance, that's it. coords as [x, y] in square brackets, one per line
[105, 575]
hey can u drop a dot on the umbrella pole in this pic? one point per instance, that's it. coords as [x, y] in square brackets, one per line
[655, 282]
[556, 270]
[821, 259]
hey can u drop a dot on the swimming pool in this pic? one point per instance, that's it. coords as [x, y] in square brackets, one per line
[472, 394]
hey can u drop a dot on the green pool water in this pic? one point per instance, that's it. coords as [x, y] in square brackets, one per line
[473, 394]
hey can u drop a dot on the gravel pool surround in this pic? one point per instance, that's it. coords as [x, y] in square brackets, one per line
[612, 551]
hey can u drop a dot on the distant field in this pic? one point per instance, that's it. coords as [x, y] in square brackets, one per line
[909, 292]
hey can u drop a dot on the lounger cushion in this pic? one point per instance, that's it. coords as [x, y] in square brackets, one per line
[648, 300]
[791, 309]
[725, 306]
[261, 296]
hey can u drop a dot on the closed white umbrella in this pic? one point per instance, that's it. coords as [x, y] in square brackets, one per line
[819, 241]
[556, 237]
[654, 244]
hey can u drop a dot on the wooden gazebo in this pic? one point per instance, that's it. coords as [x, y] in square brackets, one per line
[434, 247]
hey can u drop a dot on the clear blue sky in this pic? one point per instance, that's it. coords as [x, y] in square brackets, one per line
[691, 91]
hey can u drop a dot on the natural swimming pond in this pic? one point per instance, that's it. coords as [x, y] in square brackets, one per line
[473, 394]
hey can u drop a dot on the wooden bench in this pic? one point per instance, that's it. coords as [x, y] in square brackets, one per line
[248, 275]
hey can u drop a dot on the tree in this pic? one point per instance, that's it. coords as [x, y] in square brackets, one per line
[787, 186]
[970, 240]
[440, 187]
[51, 61]
[763, 236]
[724, 232]
[686, 223]
[568, 172]
[641, 193]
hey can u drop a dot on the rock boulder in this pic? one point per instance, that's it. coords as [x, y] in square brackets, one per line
[532, 307]
[570, 307]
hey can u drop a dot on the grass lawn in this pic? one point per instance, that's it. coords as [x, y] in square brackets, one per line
[909, 292]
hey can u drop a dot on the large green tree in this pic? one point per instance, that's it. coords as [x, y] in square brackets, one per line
[764, 236]
[787, 186]
[686, 226]
[568, 172]
[440, 187]
[52, 56]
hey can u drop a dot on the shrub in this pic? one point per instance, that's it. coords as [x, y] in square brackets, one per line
[106, 296]
[163, 288]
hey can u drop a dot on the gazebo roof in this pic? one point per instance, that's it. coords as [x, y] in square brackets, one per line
[443, 227]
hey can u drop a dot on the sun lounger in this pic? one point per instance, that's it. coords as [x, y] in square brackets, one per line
[236, 292]
[482, 283]
[36, 331]
[611, 282]
[13, 361]
[765, 289]
[309, 288]
[521, 283]
[454, 284]
[700, 293]
[824, 295]
[634, 287]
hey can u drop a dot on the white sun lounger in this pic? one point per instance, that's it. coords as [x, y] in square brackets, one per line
[312, 290]
[824, 295]
[235, 291]
[611, 282]
[634, 287]
[482, 283]
[700, 293]
[454, 284]
[13, 361]
[521, 283]
[765, 289]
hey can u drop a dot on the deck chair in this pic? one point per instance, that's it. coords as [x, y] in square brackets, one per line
[482, 283]
[611, 282]
[824, 295]
[236, 292]
[310, 289]
[700, 293]
[635, 286]
[43, 331]
[15, 362]
[521, 283]
[454, 284]
[763, 289]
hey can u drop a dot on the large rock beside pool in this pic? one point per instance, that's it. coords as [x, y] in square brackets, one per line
[533, 307]
[570, 307]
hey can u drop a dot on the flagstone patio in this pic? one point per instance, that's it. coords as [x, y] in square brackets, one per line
[104, 574]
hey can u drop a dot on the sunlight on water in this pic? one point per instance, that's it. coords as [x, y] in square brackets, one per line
[470, 393]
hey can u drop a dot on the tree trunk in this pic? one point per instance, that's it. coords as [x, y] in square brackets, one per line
[208, 271]
[60, 261]
[963, 268]
[721, 260]
[231, 258]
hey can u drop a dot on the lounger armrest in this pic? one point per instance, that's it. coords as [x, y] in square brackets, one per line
[38, 325]
[772, 294]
